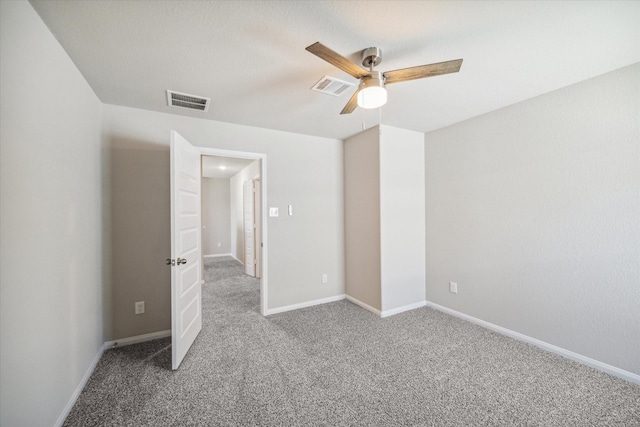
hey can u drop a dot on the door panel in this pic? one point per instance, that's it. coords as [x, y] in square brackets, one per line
[257, 211]
[186, 291]
[188, 279]
[249, 240]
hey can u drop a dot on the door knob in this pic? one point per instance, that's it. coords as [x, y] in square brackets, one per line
[181, 261]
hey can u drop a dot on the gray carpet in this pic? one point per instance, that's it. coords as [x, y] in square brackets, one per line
[339, 365]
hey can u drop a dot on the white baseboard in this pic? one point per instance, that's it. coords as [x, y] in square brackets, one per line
[386, 313]
[72, 400]
[217, 255]
[611, 370]
[363, 305]
[403, 308]
[137, 339]
[304, 304]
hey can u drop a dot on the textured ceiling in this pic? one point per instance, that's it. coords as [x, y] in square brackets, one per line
[249, 56]
[223, 167]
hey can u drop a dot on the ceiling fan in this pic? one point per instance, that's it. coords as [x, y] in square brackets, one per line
[371, 92]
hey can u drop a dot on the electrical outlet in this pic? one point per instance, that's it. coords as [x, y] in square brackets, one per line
[219, 244]
[140, 307]
[453, 287]
[324, 278]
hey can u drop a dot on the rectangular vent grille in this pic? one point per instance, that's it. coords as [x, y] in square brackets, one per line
[184, 100]
[332, 86]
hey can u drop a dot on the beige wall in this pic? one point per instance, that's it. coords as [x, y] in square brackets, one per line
[216, 216]
[535, 211]
[139, 214]
[362, 217]
[302, 170]
[51, 223]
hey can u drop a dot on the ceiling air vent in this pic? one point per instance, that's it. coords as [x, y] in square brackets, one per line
[331, 86]
[184, 100]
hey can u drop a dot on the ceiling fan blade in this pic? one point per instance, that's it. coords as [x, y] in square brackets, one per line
[337, 60]
[351, 104]
[422, 71]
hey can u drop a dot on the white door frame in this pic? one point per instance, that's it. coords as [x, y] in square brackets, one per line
[207, 151]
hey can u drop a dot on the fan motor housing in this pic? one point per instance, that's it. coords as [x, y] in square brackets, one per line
[376, 79]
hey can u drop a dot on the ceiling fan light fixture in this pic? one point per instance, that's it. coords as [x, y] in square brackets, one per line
[372, 93]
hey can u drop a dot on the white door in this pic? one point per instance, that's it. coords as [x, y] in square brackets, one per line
[186, 248]
[257, 211]
[249, 240]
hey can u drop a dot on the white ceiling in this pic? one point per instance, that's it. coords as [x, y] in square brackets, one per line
[223, 167]
[249, 57]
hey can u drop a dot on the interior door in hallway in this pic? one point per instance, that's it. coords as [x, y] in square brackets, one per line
[249, 229]
[186, 247]
[257, 220]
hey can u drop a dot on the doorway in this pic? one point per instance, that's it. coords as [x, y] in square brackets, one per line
[258, 215]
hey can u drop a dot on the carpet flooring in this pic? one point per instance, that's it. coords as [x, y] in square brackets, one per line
[338, 365]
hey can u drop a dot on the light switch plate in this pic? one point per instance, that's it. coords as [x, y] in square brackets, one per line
[273, 211]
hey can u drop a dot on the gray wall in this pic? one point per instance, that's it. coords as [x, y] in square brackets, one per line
[402, 194]
[303, 170]
[535, 211]
[51, 225]
[216, 216]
